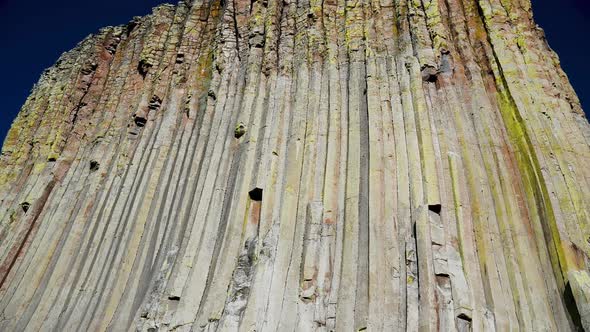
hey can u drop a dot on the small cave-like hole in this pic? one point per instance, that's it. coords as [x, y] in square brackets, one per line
[155, 103]
[429, 74]
[463, 322]
[94, 165]
[131, 25]
[240, 130]
[174, 298]
[140, 121]
[25, 206]
[51, 159]
[256, 194]
[572, 308]
[143, 67]
[436, 208]
[430, 78]
[179, 58]
[464, 317]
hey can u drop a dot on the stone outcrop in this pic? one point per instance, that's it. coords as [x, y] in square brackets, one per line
[280, 165]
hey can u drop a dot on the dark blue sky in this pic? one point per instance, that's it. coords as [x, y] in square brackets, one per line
[33, 34]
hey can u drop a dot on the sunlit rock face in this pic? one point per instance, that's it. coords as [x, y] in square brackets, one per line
[322, 165]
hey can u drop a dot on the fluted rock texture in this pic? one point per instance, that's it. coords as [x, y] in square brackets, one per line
[310, 165]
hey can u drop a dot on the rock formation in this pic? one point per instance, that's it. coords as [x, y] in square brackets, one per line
[280, 165]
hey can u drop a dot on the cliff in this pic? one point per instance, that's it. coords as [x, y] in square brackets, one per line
[311, 165]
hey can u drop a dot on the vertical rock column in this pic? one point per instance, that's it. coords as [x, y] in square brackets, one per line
[301, 165]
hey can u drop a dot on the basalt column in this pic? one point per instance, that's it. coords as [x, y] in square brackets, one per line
[310, 165]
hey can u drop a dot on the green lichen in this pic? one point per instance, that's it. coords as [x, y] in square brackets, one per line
[535, 187]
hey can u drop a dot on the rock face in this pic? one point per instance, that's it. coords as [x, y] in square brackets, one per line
[301, 166]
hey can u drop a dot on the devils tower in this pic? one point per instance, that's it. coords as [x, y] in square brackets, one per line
[310, 165]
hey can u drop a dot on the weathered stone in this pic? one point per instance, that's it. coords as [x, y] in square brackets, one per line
[300, 166]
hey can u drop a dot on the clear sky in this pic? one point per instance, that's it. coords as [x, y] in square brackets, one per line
[33, 34]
